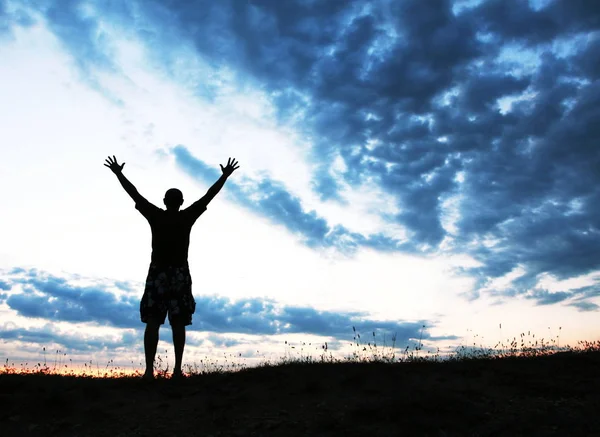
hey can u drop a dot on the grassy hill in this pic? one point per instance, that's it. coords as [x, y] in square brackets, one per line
[557, 394]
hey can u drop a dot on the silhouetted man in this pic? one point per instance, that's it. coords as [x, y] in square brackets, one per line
[169, 284]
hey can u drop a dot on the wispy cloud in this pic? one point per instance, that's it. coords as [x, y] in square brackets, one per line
[74, 341]
[271, 199]
[585, 306]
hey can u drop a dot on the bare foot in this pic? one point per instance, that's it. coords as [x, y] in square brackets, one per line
[148, 376]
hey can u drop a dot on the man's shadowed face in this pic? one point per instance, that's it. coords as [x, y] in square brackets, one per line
[173, 199]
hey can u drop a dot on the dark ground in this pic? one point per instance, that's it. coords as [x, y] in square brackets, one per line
[553, 395]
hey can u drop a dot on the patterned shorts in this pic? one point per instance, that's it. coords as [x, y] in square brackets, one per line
[168, 290]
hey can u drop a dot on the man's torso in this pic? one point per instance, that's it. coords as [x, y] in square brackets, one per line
[170, 239]
[170, 232]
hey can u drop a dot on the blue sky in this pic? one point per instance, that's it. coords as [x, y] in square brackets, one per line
[403, 164]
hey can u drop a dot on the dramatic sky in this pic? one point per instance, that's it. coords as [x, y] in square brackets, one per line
[423, 168]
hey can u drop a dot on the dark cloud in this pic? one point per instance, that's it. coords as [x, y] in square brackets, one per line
[53, 298]
[517, 20]
[264, 317]
[439, 75]
[577, 298]
[408, 94]
[56, 299]
[546, 298]
[309, 320]
[481, 94]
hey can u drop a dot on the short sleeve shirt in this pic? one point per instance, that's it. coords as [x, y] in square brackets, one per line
[170, 231]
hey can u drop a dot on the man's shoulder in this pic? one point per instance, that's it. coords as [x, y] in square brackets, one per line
[199, 206]
[148, 209]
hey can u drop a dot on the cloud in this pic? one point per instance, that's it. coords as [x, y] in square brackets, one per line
[48, 335]
[79, 27]
[585, 306]
[40, 295]
[270, 199]
[53, 298]
[4, 21]
[403, 75]
[82, 33]
[264, 317]
[516, 20]
[546, 298]
[221, 341]
[12, 14]
[577, 298]
[495, 104]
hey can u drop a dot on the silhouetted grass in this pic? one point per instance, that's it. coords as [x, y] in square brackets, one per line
[522, 386]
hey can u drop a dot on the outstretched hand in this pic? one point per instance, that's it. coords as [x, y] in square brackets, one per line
[232, 165]
[114, 165]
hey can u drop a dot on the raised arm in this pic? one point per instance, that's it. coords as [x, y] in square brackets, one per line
[128, 186]
[231, 166]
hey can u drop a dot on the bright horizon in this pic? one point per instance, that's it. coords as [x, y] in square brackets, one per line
[400, 165]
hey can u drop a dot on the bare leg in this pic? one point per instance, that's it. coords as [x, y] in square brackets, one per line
[150, 344]
[178, 328]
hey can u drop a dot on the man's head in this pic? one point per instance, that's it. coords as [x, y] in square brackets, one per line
[173, 199]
